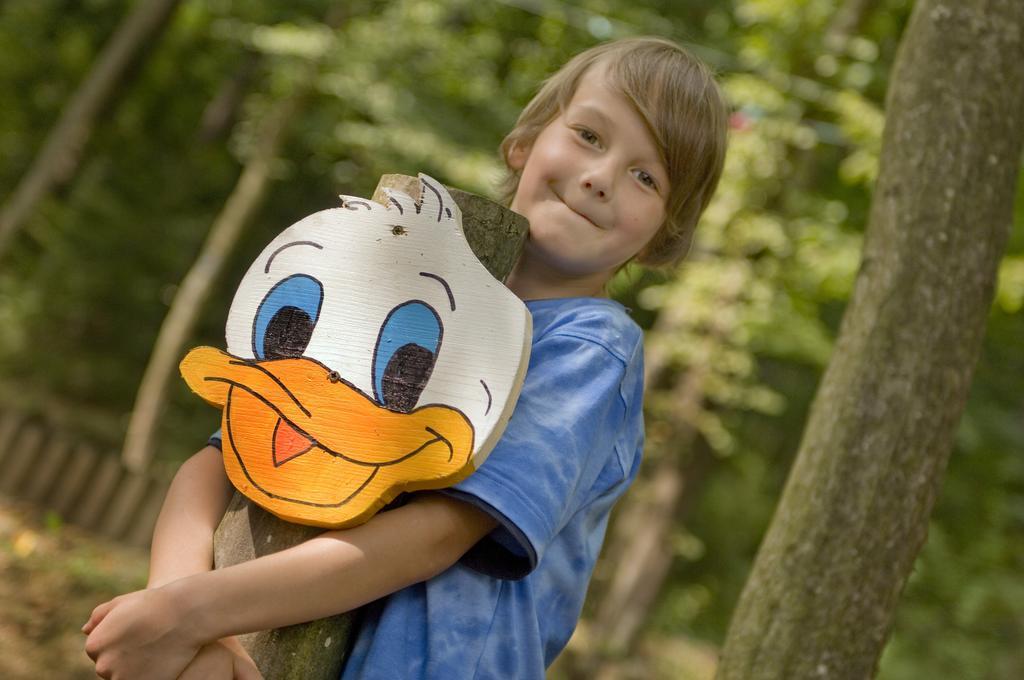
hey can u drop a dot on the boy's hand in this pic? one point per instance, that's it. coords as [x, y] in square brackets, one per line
[224, 659]
[139, 635]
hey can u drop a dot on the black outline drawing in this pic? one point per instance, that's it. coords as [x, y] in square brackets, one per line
[440, 201]
[488, 396]
[447, 288]
[273, 377]
[266, 270]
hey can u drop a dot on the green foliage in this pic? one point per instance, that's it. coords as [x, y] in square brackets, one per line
[418, 85]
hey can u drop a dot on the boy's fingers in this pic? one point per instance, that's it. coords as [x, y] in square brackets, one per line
[213, 662]
[245, 669]
[97, 615]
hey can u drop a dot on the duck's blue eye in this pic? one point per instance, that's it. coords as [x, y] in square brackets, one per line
[285, 319]
[404, 357]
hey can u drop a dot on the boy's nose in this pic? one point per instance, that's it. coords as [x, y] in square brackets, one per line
[597, 182]
[589, 186]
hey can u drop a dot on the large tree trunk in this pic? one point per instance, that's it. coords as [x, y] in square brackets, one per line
[59, 157]
[195, 287]
[822, 594]
[317, 650]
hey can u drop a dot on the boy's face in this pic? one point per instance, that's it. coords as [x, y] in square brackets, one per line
[592, 184]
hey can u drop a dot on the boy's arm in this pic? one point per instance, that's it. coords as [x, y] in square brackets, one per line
[195, 503]
[336, 571]
[183, 539]
[159, 630]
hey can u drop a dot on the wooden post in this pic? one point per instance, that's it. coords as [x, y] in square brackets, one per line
[317, 649]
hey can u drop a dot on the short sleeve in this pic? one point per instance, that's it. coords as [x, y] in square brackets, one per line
[216, 440]
[560, 437]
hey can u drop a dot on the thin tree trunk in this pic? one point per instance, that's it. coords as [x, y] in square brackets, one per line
[821, 598]
[195, 287]
[647, 554]
[60, 155]
[220, 113]
[640, 547]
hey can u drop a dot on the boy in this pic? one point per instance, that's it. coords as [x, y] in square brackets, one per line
[615, 158]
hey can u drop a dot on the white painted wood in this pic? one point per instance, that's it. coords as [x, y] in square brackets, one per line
[372, 259]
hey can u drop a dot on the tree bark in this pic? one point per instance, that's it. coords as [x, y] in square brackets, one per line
[60, 155]
[311, 650]
[822, 594]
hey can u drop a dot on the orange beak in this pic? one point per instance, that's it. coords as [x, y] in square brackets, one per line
[316, 450]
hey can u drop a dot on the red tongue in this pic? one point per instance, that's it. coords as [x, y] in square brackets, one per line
[288, 443]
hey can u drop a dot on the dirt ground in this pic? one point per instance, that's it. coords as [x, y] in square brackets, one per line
[52, 577]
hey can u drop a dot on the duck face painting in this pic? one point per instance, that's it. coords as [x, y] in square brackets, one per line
[369, 352]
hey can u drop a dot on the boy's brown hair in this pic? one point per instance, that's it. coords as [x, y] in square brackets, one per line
[677, 96]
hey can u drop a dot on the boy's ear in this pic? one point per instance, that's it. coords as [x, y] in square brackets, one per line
[517, 156]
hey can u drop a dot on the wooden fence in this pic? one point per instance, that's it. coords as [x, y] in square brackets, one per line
[86, 486]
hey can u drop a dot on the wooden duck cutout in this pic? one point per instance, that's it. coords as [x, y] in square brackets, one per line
[369, 352]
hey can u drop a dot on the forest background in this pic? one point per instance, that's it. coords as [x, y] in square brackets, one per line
[737, 337]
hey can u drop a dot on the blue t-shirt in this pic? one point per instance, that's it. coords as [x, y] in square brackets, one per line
[571, 448]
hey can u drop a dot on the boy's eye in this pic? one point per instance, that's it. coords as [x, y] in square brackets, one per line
[587, 136]
[646, 179]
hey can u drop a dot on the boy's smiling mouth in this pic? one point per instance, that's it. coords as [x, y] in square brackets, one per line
[585, 217]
